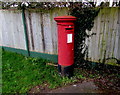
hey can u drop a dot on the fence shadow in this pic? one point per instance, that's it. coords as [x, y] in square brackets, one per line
[99, 67]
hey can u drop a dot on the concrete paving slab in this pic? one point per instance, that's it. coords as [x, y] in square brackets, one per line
[84, 87]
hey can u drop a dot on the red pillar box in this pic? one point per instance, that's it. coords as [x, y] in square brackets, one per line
[65, 26]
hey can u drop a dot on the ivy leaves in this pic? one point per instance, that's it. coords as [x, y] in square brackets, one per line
[85, 21]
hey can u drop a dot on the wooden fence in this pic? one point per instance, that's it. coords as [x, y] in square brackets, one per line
[42, 32]
[105, 43]
[41, 29]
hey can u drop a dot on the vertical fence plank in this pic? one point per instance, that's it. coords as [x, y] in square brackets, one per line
[36, 29]
[101, 38]
[118, 53]
[115, 46]
[54, 32]
[47, 33]
[98, 24]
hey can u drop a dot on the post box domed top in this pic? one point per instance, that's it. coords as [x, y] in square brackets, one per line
[65, 18]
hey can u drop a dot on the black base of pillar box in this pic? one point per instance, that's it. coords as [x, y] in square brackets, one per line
[66, 70]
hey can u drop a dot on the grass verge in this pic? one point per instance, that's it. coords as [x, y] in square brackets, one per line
[20, 73]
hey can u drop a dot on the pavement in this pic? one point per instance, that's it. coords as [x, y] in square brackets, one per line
[84, 87]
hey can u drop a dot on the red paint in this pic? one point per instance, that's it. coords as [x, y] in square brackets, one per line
[65, 26]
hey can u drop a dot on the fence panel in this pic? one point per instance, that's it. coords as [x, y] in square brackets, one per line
[12, 29]
[42, 32]
[106, 41]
